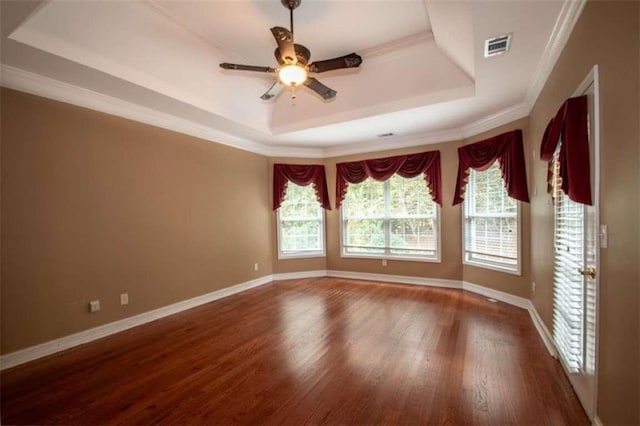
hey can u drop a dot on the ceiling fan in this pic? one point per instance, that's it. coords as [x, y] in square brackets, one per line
[294, 63]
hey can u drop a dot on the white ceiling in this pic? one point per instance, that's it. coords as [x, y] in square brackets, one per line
[424, 77]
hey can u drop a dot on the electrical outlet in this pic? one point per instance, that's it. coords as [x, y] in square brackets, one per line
[384, 262]
[94, 306]
[124, 299]
[255, 266]
[533, 288]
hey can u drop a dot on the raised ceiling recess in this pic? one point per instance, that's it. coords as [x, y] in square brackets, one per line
[424, 76]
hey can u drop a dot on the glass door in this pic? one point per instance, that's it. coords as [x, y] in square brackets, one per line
[576, 248]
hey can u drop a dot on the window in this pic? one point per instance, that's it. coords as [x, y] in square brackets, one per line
[491, 222]
[300, 223]
[392, 219]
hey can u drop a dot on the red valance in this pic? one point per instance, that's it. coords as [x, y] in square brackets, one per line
[381, 169]
[303, 175]
[570, 128]
[507, 149]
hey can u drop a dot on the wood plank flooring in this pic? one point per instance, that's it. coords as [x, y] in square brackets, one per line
[312, 351]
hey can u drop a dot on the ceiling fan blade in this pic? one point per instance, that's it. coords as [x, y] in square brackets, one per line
[228, 66]
[352, 60]
[320, 89]
[284, 38]
[273, 91]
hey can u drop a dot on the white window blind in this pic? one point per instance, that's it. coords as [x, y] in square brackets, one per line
[300, 223]
[491, 234]
[574, 319]
[396, 218]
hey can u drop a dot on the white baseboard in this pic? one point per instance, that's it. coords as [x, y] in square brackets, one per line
[400, 279]
[34, 352]
[48, 348]
[299, 275]
[518, 301]
[543, 331]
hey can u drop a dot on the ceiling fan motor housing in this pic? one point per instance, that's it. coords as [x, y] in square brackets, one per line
[291, 4]
[302, 54]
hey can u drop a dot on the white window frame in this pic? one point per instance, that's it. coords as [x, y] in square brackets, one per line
[302, 254]
[387, 255]
[494, 266]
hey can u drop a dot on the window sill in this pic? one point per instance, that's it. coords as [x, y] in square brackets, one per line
[301, 255]
[496, 268]
[387, 257]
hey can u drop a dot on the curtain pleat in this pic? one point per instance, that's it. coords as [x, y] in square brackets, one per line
[381, 169]
[303, 175]
[570, 129]
[508, 151]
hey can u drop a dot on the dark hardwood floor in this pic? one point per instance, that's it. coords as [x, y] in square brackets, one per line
[318, 351]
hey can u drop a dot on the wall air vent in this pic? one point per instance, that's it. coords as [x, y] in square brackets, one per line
[497, 45]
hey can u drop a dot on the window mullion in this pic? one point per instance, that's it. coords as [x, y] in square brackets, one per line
[387, 208]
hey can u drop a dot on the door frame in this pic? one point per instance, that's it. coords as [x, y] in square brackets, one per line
[592, 78]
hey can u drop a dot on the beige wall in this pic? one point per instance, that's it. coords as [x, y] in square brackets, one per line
[606, 34]
[95, 205]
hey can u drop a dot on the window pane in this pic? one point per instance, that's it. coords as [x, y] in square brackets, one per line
[413, 233]
[410, 197]
[366, 199]
[300, 202]
[300, 221]
[365, 233]
[300, 235]
[491, 220]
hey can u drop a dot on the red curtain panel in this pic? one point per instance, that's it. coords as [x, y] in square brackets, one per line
[507, 149]
[570, 129]
[381, 169]
[303, 175]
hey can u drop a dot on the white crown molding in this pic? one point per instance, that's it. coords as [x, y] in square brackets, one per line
[482, 125]
[34, 352]
[295, 152]
[35, 84]
[394, 142]
[397, 44]
[493, 121]
[569, 14]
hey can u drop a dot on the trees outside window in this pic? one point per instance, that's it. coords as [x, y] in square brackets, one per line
[491, 222]
[300, 223]
[392, 219]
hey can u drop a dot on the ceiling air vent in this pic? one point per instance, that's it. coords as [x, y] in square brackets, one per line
[497, 45]
[386, 135]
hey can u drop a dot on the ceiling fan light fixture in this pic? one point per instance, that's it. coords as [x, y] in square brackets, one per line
[292, 75]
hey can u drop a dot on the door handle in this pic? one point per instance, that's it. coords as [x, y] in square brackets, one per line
[591, 272]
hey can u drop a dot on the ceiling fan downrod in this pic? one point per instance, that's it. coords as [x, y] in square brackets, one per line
[291, 4]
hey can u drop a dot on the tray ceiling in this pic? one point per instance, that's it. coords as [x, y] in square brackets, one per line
[424, 77]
